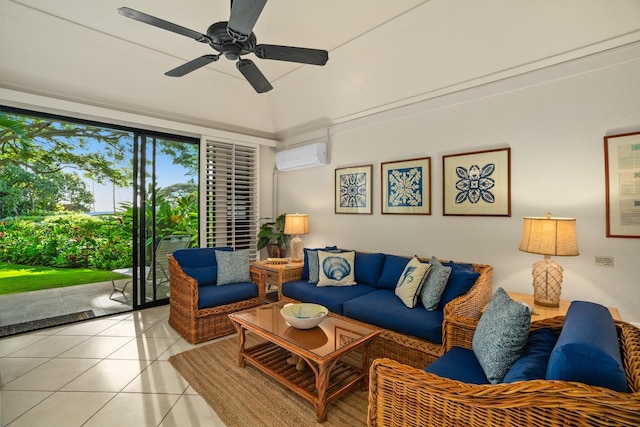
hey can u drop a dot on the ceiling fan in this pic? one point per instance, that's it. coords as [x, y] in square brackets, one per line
[233, 39]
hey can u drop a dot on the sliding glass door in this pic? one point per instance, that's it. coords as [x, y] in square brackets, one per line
[164, 212]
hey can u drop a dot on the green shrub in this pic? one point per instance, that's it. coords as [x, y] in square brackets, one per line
[67, 240]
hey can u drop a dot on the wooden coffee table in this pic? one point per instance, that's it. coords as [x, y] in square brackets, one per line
[326, 373]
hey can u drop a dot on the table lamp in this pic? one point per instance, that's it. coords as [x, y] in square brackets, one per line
[296, 224]
[548, 236]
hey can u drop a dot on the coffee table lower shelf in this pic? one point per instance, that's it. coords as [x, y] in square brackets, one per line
[272, 360]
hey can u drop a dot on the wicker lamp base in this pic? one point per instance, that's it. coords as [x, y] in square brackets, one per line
[547, 282]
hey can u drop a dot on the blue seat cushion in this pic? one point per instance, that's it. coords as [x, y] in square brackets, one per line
[200, 263]
[368, 267]
[214, 296]
[382, 308]
[532, 365]
[332, 297]
[459, 364]
[587, 350]
[391, 270]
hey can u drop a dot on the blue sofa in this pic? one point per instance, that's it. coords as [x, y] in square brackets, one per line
[415, 336]
[582, 369]
[200, 303]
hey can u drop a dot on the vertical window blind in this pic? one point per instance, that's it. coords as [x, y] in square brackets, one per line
[231, 195]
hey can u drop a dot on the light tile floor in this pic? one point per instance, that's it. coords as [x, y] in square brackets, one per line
[110, 371]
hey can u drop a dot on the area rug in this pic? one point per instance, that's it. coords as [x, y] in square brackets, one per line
[246, 397]
[32, 325]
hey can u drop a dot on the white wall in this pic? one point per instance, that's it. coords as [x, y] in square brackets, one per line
[555, 131]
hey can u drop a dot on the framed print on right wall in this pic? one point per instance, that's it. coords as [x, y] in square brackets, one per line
[622, 176]
[477, 183]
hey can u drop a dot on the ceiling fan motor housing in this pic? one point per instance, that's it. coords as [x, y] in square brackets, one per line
[227, 45]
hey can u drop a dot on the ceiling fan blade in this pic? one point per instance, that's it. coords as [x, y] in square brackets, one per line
[292, 54]
[244, 15]
[253, 75]
[192, 65]
[161, 23]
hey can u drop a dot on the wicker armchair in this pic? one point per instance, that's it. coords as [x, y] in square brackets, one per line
[400, 395]
[202, 324]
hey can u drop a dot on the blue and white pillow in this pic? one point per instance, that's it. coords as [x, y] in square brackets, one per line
[434, 285]
[233, 267]
[336, 269]
[501, 335]
[411, 281]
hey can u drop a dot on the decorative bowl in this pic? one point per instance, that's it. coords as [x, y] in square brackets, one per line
[304, 315]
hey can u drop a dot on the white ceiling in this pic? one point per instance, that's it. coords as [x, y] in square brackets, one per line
[381, 54]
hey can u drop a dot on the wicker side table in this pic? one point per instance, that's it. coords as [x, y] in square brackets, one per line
[277, 274]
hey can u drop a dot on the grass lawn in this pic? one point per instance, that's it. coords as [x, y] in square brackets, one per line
[16, 278]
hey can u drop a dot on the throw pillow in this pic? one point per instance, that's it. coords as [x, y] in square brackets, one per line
[459, 283]
[501, 335]
[314, 267]
[336, 269]
[233, 267]
[411, 281]
[434, 285]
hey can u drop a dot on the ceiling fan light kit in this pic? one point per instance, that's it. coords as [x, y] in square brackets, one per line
[233, 39]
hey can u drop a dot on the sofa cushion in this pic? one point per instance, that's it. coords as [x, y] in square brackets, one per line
[588, 350]
[305, 259]
[382, 308]
[459, 283]
[336, 269]
[233, 267]
[501, 335]
[459, 364]
[411, 280]
[332, 297]
[391, 270]
[532, 365]
[434, 285]
[206, 276]
[214, 296]
[200, 263]
[368, 267]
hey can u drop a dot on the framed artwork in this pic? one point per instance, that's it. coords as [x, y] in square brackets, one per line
[477, 183]
[406, 187]
[353, 190]
[622, 175]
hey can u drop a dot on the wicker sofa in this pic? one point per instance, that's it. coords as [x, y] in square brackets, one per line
[401, 395]
[394, 344]
[199, 311]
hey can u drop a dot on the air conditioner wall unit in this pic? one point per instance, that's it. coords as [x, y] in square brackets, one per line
[307, 156]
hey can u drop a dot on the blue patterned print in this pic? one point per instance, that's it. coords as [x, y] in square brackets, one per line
[474, 184]
[404, 187]
[353, 190]
[336, 267]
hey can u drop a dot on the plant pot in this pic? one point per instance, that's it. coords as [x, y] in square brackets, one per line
[275, 251]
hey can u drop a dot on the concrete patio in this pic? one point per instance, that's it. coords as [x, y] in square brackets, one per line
[35, 305]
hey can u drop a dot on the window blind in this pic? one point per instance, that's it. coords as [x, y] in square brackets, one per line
[231, 195]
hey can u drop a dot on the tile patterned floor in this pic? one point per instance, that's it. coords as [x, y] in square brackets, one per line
[110, 371]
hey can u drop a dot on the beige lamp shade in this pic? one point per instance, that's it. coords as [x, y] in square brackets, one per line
[296, 224]
[548, 236]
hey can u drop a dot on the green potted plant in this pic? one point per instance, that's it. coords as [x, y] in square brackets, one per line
[271, 236]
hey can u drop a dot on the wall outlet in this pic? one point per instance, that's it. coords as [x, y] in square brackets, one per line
[604, 261]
